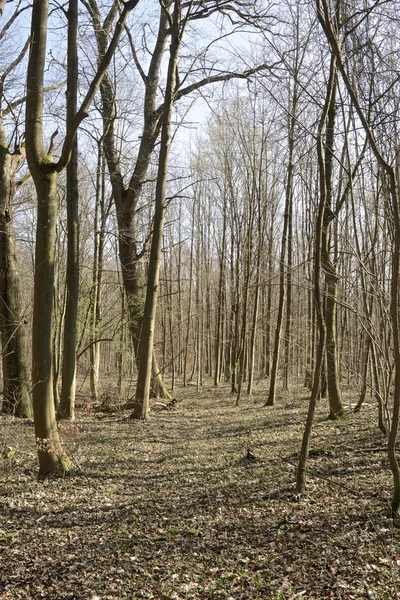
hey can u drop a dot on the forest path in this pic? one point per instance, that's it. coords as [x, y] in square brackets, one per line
[174, 509]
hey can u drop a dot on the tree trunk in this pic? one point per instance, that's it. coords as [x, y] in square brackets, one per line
[126, 198]
[44, 173]
[282, 264]
[331, 279]
[66, 409]
[47, 439]
[316, 388]
[45, 179]
[141, 407]
[99, 233]
[16, 395]
[221, 287]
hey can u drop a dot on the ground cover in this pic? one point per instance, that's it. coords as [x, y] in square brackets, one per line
[177, 508]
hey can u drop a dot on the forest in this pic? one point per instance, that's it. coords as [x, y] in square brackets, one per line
[199, 299]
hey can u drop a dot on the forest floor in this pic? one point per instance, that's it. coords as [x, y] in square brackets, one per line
[173, 508]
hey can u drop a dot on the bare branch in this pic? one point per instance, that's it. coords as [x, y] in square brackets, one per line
[12, 19]
[23, 180]
[15, 103]
[51, 145]
[220, 78]
[325, 21]
[94, 86]
[15, 63]
[134, 55]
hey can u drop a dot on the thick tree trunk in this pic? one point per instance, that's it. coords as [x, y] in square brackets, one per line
[16, 395]
[45, 179]
[44, 173]
[47, 439]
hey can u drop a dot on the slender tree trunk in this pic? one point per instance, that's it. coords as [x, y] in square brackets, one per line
[243, 337]
[100, 223]
[331, 277]
[180, 308]
[288, 326]
[199, 303]
[122, 342]
[315, 394]
[189, 309]
[58, 326]
[67, 401]
[141, 407]
[268, 314]
[252, 349]
[282, 261]
[235, 293]
[221, 285]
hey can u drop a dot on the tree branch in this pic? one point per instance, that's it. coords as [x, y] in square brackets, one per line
[94, 86]
[218, 78]
[12, 105]
[15, 62]
[12, 19]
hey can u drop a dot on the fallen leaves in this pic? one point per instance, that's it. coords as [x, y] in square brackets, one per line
[177, 509]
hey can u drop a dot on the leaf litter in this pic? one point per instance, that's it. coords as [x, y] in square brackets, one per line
[199, 503]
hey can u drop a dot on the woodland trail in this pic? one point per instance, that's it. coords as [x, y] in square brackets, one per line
[176, 507]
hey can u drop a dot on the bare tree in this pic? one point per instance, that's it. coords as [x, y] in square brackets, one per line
[391, 175]
[44, 173]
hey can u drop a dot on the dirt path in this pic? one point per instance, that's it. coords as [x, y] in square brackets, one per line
[174, 509]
